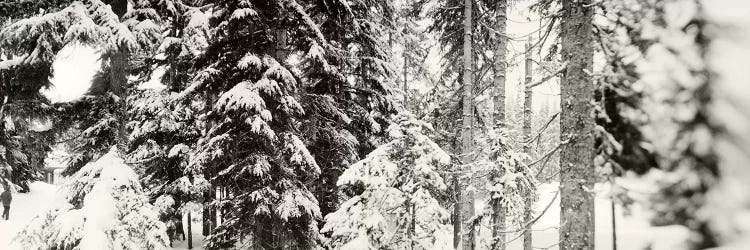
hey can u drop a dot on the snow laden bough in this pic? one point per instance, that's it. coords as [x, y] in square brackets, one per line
[105, 208]
[398, 208]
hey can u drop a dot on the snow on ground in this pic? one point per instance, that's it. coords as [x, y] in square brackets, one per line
[25, 206]
[633, 232]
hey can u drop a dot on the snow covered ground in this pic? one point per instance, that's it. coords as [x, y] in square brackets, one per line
[633, 232]
[42, 195]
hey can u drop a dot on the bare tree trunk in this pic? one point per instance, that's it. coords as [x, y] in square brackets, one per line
[413, 225]
[118, 66]
[498, 210]
[189, 231]
[405, 72]
[614, 227]
[467, 140]
[528, 192]
[209, 217]
[500, 66]
[577, 128]
[457, 211]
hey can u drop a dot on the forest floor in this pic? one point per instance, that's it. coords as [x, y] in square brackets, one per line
[633, 231]
[42, 195]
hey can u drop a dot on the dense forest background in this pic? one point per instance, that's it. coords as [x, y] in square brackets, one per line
[366, 124]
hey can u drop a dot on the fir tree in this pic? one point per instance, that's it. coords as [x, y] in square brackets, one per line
[254, 148]
[399, 207]
[348, 97]
[163, 131]
[105, 208]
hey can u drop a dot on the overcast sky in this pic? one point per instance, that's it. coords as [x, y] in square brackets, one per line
[73, 69]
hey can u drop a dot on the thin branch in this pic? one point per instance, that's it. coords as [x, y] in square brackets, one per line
[531, 222]
[547, 78]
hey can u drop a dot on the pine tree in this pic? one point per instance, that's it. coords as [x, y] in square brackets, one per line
[35, 31]
[577, 155]
[164, 131]
[399, 207]
[348, 98]
[105, 208]
[254, 147]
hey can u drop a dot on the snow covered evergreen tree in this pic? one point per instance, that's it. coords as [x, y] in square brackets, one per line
[105, 208]
[164, 132]
[399, 207]
[509, 180]
[23, 73]
[253, 147]
[347, 97]
[89, 125]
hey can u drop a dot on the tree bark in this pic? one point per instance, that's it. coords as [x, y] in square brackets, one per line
[500, 66]
[207, 214]
[118, 67]
[405, 73]
[189, 231]
[577, 128]
[528, 192]
[498, 210]
[467, 140]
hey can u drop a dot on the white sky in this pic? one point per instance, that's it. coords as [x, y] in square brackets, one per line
[73, 69]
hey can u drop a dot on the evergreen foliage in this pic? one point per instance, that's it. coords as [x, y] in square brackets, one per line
[399, 207]
[105, 208]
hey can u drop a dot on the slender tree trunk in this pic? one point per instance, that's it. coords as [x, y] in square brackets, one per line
[189, 231]
[467, 140]
[413, 225]
[528, 192]
[614, 227]
[405, 72]
[577, 128]
[498, 210]
[457, 210]
[207, 214]
[209, 217]
[118, 66]
[500, 66]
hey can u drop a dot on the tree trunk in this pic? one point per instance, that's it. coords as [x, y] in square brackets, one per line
[457, 210]
[577, 128]
[614, 227]
[498, 210]
[528, 192]
[118, 67]
[189, 231]
[207, 214]
[467, 140]
[413, 225]
[405, 72]
[500, 66]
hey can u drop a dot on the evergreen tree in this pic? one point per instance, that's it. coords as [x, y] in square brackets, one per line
[105, 208]
[25, 68]
[399, 207]
[254, 147]
[348, 96]
[164, 132]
